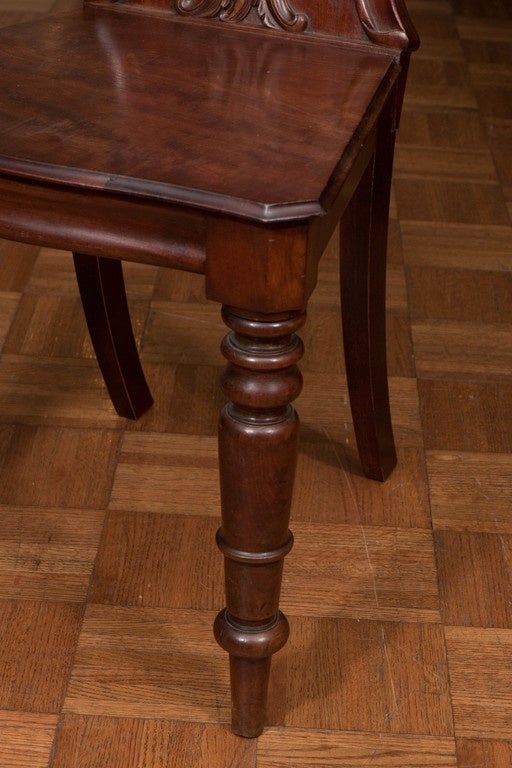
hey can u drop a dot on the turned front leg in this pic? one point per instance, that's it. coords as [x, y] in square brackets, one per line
[257, 453]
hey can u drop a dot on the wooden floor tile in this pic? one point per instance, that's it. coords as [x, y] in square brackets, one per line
[52, 467]
[450, 201]
[54, 326]
[69, 392]
[175, 474]
[177, 286]
[499, 133]
[361, 572]
[330, 487]
[184, 333]
[140, 279]
[324, 409]
[481, 681]
[394, 254]
[53, 274]
[8, 305]
[489, 53]
[445, 163]
[474, 296]
[442, 129]
[433, 18]
[493, 87]
[149, 662]
[16, 263]
[47, 555]
[158, 560]
[26, 739]
[492, 28]
[49, 326]
[396, 290]
[458, 246]
[95, 742]
[474, 753]
[36, 653]
[295, 748]
[322, 338]
[187, 400]
[368, 675]
[483, 9]
[475, 581]
[458, 350]
[400, 354]
[466, 416]
[439, 83]
[471, 491]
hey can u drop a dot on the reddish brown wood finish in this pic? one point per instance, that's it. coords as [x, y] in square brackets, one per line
[133, 131]
[257, 453]
[363, 239]
[106, 310]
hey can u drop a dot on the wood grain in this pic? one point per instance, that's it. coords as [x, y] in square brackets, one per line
[176, 474]
[16, 263]
[394, 677]
[455, 245]
[175, 389]
[330, 487]
[466, 416]
[450, 201]
[8, 305]
[305, 748]
[476, 752]
[140, 562]
[474, 296]
[47, 555]
[474, 577]
[462, 351]
[36, 654]
[26, 739]
[361, 572]
[470, 491]
[69, 391]
[481, 681]
[94, 741]
[304, 155]
[76, 471]
[54, 326]
[150, 663]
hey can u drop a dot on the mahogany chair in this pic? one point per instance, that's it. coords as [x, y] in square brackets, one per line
[224, 137]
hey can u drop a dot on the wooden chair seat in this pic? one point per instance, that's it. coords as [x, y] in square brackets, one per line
[232, 122]
[228, 138]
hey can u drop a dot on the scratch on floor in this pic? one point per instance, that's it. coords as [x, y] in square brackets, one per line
[391, 681]
[371, 568]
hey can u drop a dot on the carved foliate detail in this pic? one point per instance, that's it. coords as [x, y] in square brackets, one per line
[276, 14]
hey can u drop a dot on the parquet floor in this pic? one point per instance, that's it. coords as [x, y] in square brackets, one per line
[399, 596]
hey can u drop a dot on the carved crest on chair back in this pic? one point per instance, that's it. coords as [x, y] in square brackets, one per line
[384, 22]
[276, 14]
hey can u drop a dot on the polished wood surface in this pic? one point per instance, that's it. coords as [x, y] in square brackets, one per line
[364, 568]
[194, 144]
